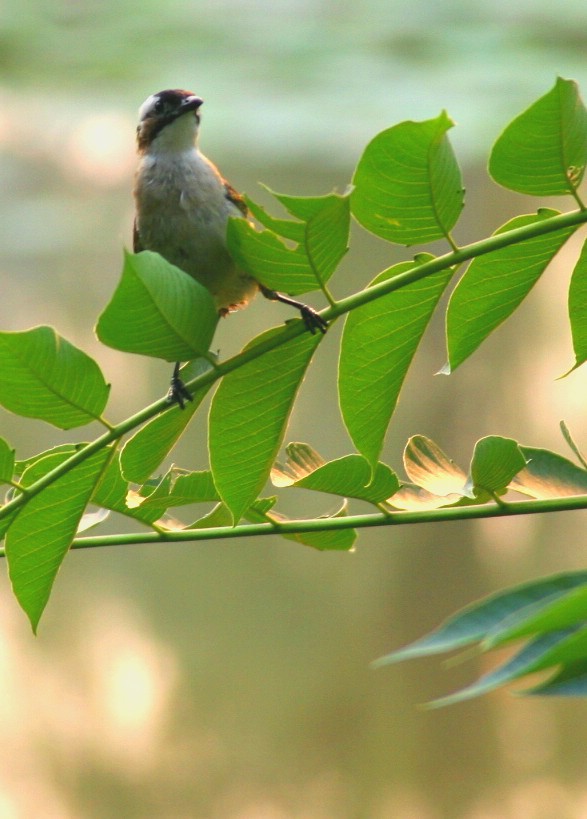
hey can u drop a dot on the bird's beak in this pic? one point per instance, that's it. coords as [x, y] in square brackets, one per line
[191, 103]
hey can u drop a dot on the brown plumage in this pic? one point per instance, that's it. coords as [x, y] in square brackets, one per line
[183, 205]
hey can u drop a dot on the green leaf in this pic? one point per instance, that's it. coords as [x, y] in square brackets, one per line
[543, 151]
[219, 516]
[46, 462]
[427, 466]
[495, 462]
[288, 228]
[44, 376]
[327, 235]
[343, 540]
[578, 308]
[495, 285]
[158, 310]
[180, 490]
[249, 415]
[6, 462]
[569, 681]
[326, 232]
[321, 241]
[349, 477]
[473, 623]
[412, 498]
[265, 257]
[548, 475]
[112, 492]
[566, 433]
[66, 449]
[407, 185]
[42, 532]
[146, 450]
[557, 611]
[378, 343]
[89, 520]
[537, 655]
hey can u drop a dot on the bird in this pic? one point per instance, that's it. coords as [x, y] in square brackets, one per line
[182, 208]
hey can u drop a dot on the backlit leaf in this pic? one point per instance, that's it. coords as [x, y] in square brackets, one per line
[495, 285]
[44, 376]
[378, 343]
[407, 185]
[158, 310]
[544, 150]
[249, 415]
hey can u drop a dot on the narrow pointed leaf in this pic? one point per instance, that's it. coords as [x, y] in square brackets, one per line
[407, 185]
[473, 623]
[578, 308]
[249, 415]
[44, 376]
[378, 343]
[548, 475]
[535, 656]
[158, 310]
[495, 285]
[41, 534]
[569, 681]
[560, 610]
[544, 150]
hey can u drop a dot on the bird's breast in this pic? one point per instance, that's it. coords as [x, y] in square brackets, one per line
[182, 213]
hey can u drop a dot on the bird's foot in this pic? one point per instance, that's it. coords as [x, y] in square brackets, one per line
[178, 392]
[311, 318]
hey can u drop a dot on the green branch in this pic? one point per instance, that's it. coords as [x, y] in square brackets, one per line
[292, 330]
[447, 513]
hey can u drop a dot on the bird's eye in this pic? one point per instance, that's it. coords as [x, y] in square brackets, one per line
[158, 107]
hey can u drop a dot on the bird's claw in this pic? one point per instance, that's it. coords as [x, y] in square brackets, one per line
[312, 319]
[178, 392]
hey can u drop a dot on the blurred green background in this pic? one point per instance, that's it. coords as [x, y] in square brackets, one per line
[231, 680]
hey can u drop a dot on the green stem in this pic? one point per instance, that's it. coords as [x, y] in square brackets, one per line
[463, 254]
[447, 513]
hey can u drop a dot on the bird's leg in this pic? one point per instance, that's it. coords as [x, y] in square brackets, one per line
[178, 392]
[312, 319]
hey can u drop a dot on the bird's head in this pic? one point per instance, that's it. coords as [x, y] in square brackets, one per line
[168, 121]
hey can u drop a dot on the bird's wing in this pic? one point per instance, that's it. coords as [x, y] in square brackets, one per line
[235, 197]
[137, 245]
